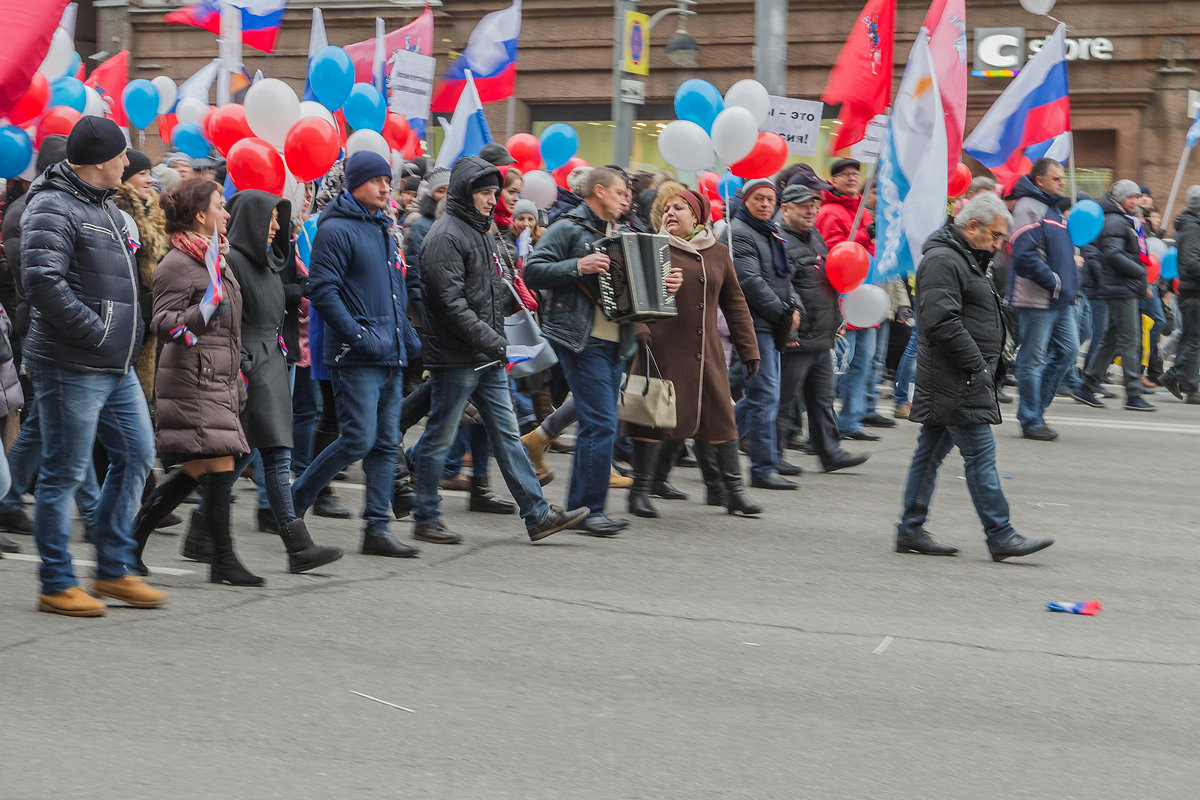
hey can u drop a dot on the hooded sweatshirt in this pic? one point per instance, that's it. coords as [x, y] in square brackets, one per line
[1043, 273]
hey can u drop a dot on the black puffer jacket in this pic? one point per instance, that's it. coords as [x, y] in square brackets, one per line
[79, 275]
[960, 335]
[1122, 273]
[768, 294]
[821, 318]
[465, 298]
[1187, 241]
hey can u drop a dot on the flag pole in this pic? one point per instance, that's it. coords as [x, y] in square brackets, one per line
[1183, 160]
[866, 190]
[1071, 163]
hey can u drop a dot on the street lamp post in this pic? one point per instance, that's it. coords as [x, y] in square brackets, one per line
[682, 50]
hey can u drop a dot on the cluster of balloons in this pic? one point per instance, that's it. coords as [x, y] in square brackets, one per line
[864, 305]
[712, 128]
[545, 161]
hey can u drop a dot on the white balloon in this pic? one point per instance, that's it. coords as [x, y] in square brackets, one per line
[58, 58]
[1157, 247]
[367, 140]
[168, 92]
[734, 134]
[190, 109]
[752, 96]
[1037, 6]
[272, 108]
[311, 108]
[95, 105]
[865, 306]
[686, 146]
[540, 188]
[293, 192]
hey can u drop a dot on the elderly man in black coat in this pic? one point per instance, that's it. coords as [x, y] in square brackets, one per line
[958, 352]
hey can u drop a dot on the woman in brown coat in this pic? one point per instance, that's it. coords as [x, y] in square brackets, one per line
[198, 388]
[688, 351]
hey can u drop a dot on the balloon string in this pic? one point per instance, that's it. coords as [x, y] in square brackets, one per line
[1059, 21]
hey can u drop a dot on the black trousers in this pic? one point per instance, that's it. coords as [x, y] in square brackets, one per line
[812, 374]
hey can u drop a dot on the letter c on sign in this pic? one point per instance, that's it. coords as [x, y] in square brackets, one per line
[999, 50]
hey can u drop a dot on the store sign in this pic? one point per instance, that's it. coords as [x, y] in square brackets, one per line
[798, 122]
[1001, 52]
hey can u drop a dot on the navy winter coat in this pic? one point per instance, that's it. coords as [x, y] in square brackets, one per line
[1043, 272]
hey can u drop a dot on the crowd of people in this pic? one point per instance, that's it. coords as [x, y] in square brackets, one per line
[163, 339]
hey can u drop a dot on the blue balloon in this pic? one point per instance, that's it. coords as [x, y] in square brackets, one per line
[559, 143]
[1085, 221]
[1170, 264]
[365, 109]
[728, 185]
[304, 239]
[16, 151]
[140, 100]
[189, 138]
[68, 92]
[76, 63]
[699, 102]
[331, 77]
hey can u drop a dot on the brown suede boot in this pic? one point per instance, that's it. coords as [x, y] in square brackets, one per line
[536, 442]
[73, 602]
[132, 590]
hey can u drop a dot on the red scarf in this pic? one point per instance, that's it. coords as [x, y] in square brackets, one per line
[502, 213]
[196, 245]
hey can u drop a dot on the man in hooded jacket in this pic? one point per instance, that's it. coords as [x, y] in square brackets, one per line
[1183, 378]
[466, 300]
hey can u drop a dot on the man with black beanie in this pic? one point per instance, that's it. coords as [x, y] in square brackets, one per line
[466, 300]
[81, 281]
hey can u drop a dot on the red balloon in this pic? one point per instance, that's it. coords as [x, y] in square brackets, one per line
[395, 131]
[58, 120]
[1153, 269]
[254, 164]
[310, 149]
[561, 174]
[166, 124]
[846, 266]
[32, 103]
[526, 150]
[767, 157]
[226, 126]
[718, 210]
[960, 181]
[206, 120]
[709, 184]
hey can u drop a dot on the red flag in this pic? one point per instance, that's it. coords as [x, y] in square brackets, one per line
[109, 81]
[861, 79]
[28, 29]
[947, 26]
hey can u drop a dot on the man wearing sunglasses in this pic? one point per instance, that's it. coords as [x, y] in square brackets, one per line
[960, 338]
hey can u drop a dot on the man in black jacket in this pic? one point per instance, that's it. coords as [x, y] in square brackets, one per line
[961, 337]
[806, 364]
[1182, 379]
[466, 300]
[81, 283]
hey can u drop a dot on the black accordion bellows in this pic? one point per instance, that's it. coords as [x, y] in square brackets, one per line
[632, 289]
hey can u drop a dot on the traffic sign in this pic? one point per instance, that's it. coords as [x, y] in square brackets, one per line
[635, 48]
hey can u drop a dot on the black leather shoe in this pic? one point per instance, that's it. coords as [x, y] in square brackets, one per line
[666, 491]
[328, 506]
[878, 421]
[861, 436]
[921, 542]
[435, 533]
[558, 520]
[600, 525]
[845, 460]
[7, 545]
[1018, 545]
[1003, 396]
[16, 522]
[772, 481]
[1171, 383]
[384, 544]
[786, 468]
[1042, 433]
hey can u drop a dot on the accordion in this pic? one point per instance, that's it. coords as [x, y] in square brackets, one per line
[632, 289]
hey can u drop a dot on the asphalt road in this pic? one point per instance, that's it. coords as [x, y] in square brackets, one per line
[695, 656]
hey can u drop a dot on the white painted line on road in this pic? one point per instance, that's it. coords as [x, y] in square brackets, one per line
[882, 646]
[752, 644]
[385, 702]
[83, 562]
[1116, 424]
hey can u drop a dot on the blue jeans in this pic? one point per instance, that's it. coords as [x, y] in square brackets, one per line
[906, 370]
[877, 364]
[368, 409]
[1049, 349]
[488, 388]
[1099, 315]
[757, 410]
[24, 458]
[852, 385]
[475, 439]
[594, 375]
[76, 409]
[978, 449]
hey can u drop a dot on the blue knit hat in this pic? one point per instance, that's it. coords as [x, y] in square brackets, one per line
[363, 166]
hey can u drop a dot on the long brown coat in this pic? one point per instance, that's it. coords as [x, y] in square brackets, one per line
[197, 388]
[688, 349]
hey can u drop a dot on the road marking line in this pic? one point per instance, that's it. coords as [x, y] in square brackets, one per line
[882, 646]
[385, 702]
[83, 562]
[1160, 427]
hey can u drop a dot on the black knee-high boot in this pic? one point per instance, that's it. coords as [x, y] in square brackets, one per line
[736, 499]
[706, 458]
[215, 490]
[165, 498]
[668, 452]
[645, 455]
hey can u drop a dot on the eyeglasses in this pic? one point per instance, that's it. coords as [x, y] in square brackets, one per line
[997, 236]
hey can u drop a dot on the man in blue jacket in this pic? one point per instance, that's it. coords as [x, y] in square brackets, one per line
[357, 285]
[1043, 288]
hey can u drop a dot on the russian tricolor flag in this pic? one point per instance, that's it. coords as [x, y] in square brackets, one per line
[261, 19]
[468, 131]
[1035, 108]
[490, 56]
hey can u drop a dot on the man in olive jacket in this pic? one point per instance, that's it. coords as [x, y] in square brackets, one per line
[958, 352]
